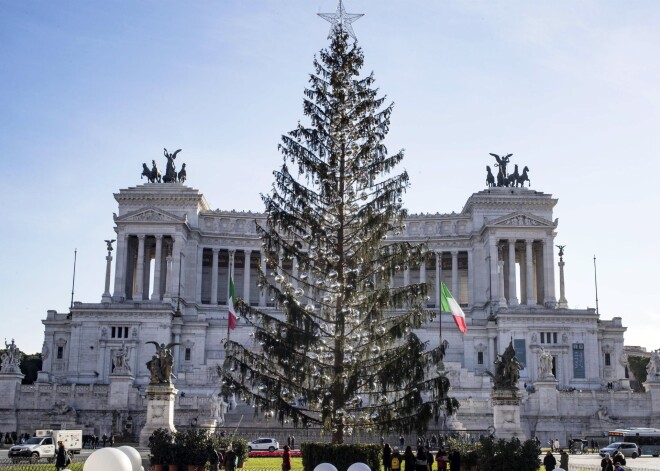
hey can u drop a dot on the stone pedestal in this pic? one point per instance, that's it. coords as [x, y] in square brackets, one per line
[548, 396]
[10, 384]
[120, 386]
[652, 388]
[506, 413]
[160, 410]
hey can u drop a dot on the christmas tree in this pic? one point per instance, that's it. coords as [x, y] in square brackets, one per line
[340, 351]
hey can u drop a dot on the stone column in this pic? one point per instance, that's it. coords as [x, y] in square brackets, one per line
[548, 274]
[494, 283]
[531, 292]
[230, 270]
[454, 275]
[422, 269]
[438, 275]
[470, 260]
[246, 275]
[120, 268]
[513, 297]
[502, 301]
[214, 276]
[139, 274]
[264, 268]
[562, 297]
[200, 272]
[155, 295]
[106, 298]
[406, 275]
[146, 275]
[506, 413]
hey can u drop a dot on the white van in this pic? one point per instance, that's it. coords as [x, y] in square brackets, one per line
[45, 446]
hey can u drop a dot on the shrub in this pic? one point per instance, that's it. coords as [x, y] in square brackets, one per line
[501, 455]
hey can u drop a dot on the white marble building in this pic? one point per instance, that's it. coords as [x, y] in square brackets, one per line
[171, 268]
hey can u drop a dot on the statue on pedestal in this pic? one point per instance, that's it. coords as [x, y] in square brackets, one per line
[507, 369]
[653, 367]
[545, 365]
[11, 359]
[120, 359]
[160, 365]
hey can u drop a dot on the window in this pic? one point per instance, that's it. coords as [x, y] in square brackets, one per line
[60, 353]
[549, 337]
[608, 359]
[187, 354]
[480, 358]
[119, 332]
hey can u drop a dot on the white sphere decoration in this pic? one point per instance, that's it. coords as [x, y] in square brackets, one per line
[325, 467]
[133, 455]
[108, 459]
[359, 467]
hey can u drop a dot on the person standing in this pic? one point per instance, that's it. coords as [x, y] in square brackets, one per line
[387, 457]
[549, 461]
[112, 439]
[429, 459]
[420, 460]
[395, 463]
[214, 458]
[563, 460]
[61, 457]
[409, 459]
[230, 460]
[402, 441]
[441, 458]
[293, 442]
[286, 459]
[455, 460]
[606, 464]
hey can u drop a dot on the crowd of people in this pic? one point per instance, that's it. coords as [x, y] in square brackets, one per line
[423, 460]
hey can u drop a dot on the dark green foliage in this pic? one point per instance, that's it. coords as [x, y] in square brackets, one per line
[160, 446]
[341, 456]
[345, 340]
[469, 451]
[638, 366]
[192, 446]
[504, 455]
[30, 367]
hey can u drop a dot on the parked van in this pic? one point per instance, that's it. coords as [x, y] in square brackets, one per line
[45, 446]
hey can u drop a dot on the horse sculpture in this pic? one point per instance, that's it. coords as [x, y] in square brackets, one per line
[523, 178]
[490, 179]
[513, 177]
[182, 173]
[152, 175]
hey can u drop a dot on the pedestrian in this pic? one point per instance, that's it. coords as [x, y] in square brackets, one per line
[395, 463]
[288, 440]
[214, 458]
[62, 458]
[420, 460]
[409, 459]
[563, 460]
[402, 441]
[293, 442]
[606, 464]
[429, 459]
[112, 439]
[434, 441]
[556, 444]
[442, 457]
[455, 460]
[104, 439]
[387, 457]
[382, 440]
[286, 459]
[618, 459]
[549, 461]
[230, 460]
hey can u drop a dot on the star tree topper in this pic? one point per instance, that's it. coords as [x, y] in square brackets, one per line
[341, 19]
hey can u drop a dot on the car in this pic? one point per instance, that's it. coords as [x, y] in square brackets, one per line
[629, 450]
[269, 444]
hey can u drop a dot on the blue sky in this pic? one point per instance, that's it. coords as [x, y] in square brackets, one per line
[91, 90]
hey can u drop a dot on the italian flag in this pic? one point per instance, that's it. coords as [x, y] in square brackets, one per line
[232, 317]
[449, 304]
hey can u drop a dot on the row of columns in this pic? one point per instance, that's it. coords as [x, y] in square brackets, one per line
[544, 279]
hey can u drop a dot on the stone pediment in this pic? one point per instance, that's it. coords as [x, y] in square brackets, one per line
[521, 219]
[150, 215]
